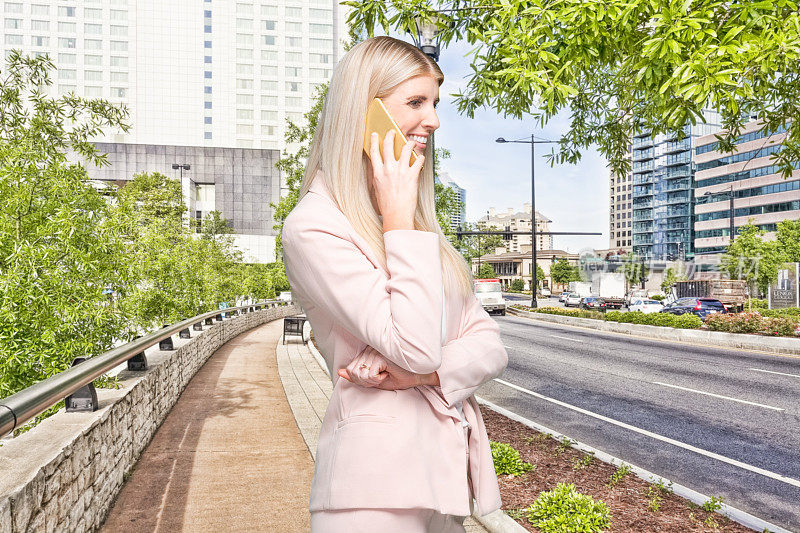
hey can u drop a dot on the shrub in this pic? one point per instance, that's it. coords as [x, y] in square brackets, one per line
[688, 321]
[517, 285]
[779, 326]
[565, 510]
[662, 319]
[658, 297]
[755, 303]
[507, 461]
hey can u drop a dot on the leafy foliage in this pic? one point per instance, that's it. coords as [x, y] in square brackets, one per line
[486, 271]
[507, 461]
[619, 66]
[750, 257]
[565, 510]
[670, 277]
[562, 272]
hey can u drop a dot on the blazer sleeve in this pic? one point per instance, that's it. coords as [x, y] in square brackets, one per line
[400, 316]
[472, 359]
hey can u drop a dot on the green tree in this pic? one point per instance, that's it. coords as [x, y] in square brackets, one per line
[486, 271]
[214, 228]
[619, 66]
[671, 276]
[788, 240]
[540, 275]
[517, 286]
[750, 257]
[561, 272]
[61, 257]
[472, 246]
[634, 270]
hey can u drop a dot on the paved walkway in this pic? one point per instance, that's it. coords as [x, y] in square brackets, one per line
[236, 452]
[229, 456]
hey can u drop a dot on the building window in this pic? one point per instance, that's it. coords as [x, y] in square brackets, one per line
[13, 24]
[269, 71]
[320, 44]
[66, 74]
[64, 89]
[207, 120]
[268, 25]
[13, 7]
[269, 101]
[244, 53]
[93, 44]
[269, 11]
[40, 25]
[320, 58]
[294, 102]
[119, 92]
[92, 29]
[39, 41]
[244, 129]
[293, 86]
[119, 30]
[244, 24]
[207, 13]
[296, 12]
[294, 72]
[244, 99]
[92, 13]
[63, 42]
[207, 89]
[207, 105]
[246, 9]
[93, 75]
[119, 77]
[243, 39]
[118, 61]
[294, 27]
[243, 69]
[294, 42]
[93, 92]
[119, 14]
[244, 114]
[67, 58]
[207, 59]
[13, 39]
[324, 29]
[119, 46]
[207, 28]
[268, 40]
[66, 11]
[269, 116]
[207, 44]
[268, 85]
[207, 74]
[244, 84]
[268, 130]
[92, 60]
[207, 135]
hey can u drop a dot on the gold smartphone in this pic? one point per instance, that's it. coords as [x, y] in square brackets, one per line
[379, 120]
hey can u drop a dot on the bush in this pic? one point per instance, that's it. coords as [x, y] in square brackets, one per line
[779, 327]
[517, 285]
[658, 297]
[688, 321]
[565, 510]
[784, 326]
[755, 303]
[507, 461]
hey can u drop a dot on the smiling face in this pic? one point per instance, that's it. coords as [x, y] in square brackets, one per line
[412, 104]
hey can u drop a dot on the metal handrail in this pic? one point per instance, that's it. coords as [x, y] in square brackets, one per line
[21, 407]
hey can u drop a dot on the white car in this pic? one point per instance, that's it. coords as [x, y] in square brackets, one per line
[545, 292]
[645, 306]
[573, 299]
[563, 297]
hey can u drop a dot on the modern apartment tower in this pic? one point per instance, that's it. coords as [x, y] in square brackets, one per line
[746, 178]
[663, 181]
[459, 217]
[199, 77]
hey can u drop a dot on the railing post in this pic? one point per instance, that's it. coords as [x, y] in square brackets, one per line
[185, 334]
[138, 362]
[166, 344]
[83, 399]
[210, 321]
[198, 326]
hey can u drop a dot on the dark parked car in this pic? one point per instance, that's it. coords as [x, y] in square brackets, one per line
[701, 307]
[594, 303]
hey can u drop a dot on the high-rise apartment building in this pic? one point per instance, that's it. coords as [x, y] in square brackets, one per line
[761, 196]
[663, 174]
[518, 221]
[621, 212]
[459, 217]
[195, 74]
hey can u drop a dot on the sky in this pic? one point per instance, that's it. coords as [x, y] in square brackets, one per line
[573, 197]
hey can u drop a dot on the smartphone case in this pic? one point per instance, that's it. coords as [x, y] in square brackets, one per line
[379, 120]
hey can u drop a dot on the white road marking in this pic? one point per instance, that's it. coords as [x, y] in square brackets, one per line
[734, 462]
[719, 396]
[507, 346]
[566, 338]
[773, 372]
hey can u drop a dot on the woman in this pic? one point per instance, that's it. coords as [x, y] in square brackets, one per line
[402, 446]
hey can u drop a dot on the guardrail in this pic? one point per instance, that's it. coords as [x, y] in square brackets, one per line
[23, 406]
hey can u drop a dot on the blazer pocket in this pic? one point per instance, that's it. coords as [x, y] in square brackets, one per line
[366, 419]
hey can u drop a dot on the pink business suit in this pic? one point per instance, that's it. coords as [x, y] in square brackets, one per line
[400, 449]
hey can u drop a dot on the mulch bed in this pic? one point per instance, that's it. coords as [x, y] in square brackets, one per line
[629, 500]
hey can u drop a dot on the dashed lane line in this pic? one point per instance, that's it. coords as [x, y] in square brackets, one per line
[718, 396]
[656, 436]
[566, 338]
[773, 372]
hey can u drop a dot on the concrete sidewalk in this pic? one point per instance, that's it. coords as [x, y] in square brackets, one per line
[229, 456]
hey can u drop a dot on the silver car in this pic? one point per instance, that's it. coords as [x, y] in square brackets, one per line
[573, 299]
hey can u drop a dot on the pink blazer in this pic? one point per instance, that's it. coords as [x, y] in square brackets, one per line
[400, 449]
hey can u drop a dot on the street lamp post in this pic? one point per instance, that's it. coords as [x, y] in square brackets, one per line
[184, 194]
[533, 142]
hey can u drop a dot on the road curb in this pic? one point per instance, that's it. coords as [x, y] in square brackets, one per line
[743, 517]
[698, 337]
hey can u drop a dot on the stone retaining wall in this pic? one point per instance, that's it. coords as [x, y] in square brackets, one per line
[720, 339]
[64, 474]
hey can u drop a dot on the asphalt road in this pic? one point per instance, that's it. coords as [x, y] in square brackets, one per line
[722, 422]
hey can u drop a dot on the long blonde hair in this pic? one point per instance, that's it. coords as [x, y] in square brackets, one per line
[372, 69]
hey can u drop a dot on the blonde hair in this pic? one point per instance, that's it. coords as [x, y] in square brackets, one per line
[372, 69]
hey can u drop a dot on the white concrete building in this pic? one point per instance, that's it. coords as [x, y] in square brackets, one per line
[193, 73]
[518, 221]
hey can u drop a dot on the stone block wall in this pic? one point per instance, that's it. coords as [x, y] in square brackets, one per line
[64, 474]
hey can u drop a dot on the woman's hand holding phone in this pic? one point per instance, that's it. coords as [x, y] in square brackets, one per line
[395, 182]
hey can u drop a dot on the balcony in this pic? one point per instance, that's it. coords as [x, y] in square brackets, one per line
[681, 185]
[640, 215]
[678, 212]
[642, 239]
[678, 146]
[680, 172]
[679, 198]
[642, 190]
[642, 142]
[678, 159]
[642, 179]
[641, 203]
[642, 166]
[643, 155]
